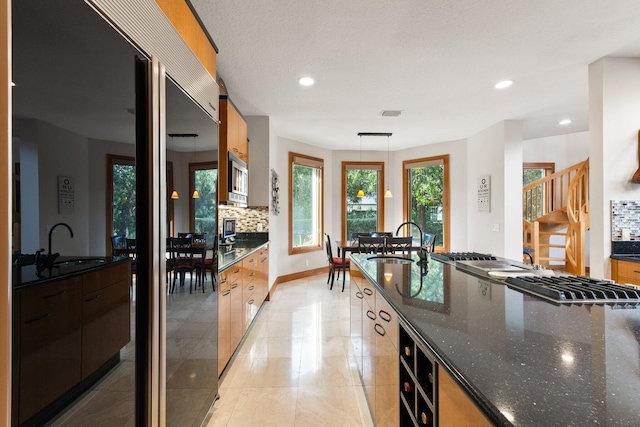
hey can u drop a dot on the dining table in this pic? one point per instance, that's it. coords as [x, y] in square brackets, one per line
[347, 246]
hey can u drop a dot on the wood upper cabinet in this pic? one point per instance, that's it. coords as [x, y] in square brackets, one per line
[625, 271]
[233, 138]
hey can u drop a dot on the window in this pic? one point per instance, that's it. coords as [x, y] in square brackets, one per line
[121, 197]
[426, 196]
[204, 178]
[362, 214]
[306, 203]
[537, 199]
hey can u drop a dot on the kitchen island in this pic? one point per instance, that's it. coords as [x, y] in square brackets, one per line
[521, 360]
[70, 321]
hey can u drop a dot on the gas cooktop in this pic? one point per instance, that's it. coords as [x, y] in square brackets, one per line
[450, 257]
[578, 289]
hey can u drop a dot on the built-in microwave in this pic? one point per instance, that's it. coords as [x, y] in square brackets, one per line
[238, 180]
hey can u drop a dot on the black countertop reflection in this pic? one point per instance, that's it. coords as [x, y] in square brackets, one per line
[525, 361]
[229, 255]
[65, 266]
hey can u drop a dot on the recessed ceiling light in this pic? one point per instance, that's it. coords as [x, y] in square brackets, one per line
[564, 122]
[306, 81]
[504, 84]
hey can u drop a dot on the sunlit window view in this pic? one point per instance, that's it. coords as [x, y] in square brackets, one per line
[205, 205]
[426, 196]
[362, 212]
[306, 202]
[124, 199]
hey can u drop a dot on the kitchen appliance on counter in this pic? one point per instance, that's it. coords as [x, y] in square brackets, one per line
[578, 289]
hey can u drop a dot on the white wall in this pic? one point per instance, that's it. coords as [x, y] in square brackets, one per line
[563, 150]
[614, 120]
[496, 152]
[259, 174]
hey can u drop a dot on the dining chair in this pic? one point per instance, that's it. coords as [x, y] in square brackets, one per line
[398, 244]
[119, 246]
[183, 262]
[429, 242]
[209, 264]
[368, 245]
[335, 263]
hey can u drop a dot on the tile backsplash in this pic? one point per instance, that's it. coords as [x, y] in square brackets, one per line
[625, 215]
[251, 219]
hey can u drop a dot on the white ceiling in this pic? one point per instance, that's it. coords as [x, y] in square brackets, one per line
[435, 60]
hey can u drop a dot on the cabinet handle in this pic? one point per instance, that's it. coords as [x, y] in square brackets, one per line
[62, 292]
[226, 293]
[384, 315]
[377, 327]
[359, 295]
[251, 301]
[237, 271]
[367, 291]
[252, 260]
[251, 287]
[39, 318]
[91, 299]
[372, 314]
[235, 285]
[252, 274]
[636, 271]
[223, 281]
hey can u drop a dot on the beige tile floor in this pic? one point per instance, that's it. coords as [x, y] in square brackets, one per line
[295, 367]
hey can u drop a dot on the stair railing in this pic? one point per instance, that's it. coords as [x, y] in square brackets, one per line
[579, 220]
[547, 194]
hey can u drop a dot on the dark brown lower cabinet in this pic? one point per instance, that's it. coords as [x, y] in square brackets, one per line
[65, 331]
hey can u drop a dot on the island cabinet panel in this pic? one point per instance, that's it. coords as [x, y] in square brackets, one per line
[105, 324]
[49, 344]
[625, 272]
[250, 302]
[224, 322]
[455, 408]
[237, 307]
[374, 338]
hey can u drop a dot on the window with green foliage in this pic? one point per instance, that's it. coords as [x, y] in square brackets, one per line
[426, 187]
[362, 214]
[204, 179]
[123, 196]
[532, 172]
[306, 203]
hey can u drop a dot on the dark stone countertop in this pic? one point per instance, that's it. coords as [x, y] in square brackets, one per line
[229, 255]
[525, 361]
[65, 266]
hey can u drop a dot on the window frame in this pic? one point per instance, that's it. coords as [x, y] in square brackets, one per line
[318, 163]
[193, 167]
[349, 165]
[446, 194]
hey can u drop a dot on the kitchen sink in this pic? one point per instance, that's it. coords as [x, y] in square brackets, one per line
[390, 259]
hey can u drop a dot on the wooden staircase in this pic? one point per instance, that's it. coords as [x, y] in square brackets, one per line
[556, 218]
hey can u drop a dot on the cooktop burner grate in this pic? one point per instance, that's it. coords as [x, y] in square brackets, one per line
[461, 256]
[576, 289]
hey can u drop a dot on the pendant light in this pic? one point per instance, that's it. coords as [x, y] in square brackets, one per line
[195, 194]
[174, 194]
[360, 191]
[388, 192]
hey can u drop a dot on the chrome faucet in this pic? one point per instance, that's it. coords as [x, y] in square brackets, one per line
[53, 228]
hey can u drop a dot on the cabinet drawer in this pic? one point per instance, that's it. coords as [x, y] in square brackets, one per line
[102, 278]
[249, 268]
[234, 273]
[628, 270]
[43, 297]
[223, 282]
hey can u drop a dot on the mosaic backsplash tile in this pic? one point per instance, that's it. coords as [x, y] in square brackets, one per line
[625, 215]
[251, 219]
